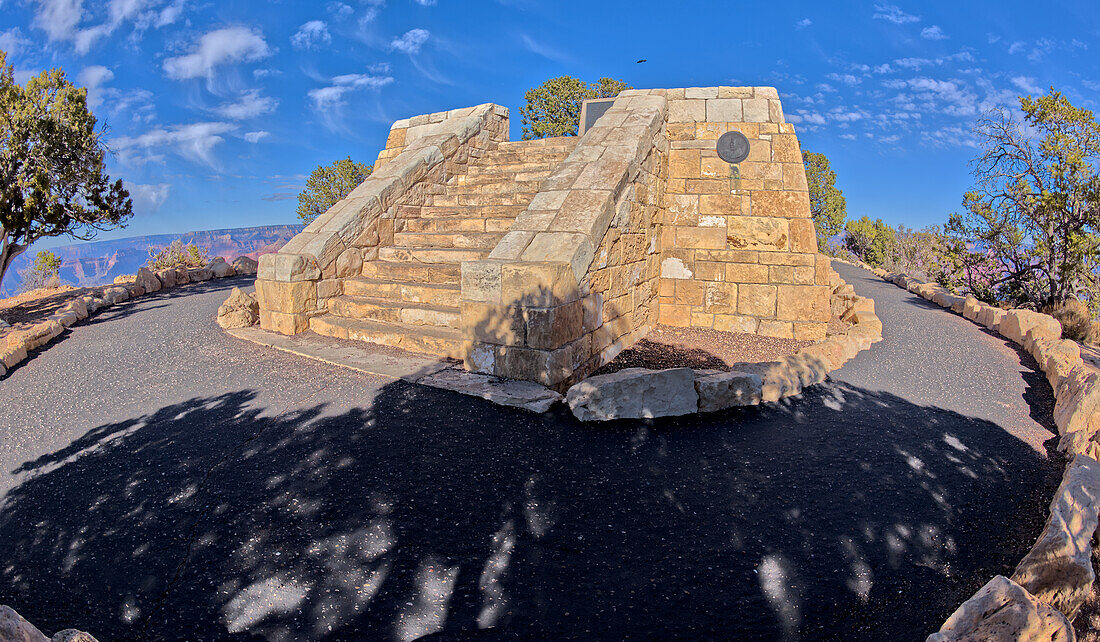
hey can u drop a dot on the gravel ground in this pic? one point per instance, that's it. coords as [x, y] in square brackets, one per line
[164, 481]
[671, 347]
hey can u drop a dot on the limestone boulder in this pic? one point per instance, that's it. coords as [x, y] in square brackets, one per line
[13, 628]
[971, 307]
[778, 379]
[240, 310]
[116, 295]
[1058, 569]
[183, 276]
[35, 336]
[77, 306]
[72, 635]
[990, 316]
[1017, 323]
[1057, 359]
[1004, 610]
[167, 277]
[244, 265]
[634, 393]
[146, 280]
[1076, 402]
[220, 269]
[11, 355]
[721, 390]
[200, 274]
[124, 279]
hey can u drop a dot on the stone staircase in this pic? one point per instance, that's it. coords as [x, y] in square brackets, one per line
[409, 297]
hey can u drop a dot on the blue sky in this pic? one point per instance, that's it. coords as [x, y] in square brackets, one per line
[217, 110]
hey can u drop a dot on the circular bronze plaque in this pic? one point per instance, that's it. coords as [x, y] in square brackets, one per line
[733, 147]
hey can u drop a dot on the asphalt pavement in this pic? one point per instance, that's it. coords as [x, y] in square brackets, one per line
[162, 480]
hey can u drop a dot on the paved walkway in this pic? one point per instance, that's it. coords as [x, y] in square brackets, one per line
[159, 479]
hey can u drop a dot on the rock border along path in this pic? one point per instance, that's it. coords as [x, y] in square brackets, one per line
[641, 393]
[15, 346]
[1053, 581]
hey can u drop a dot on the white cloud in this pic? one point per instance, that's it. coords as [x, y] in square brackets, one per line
[61, 19]
[883, 69]
[216, 48]
[894, 14]
[379, 68]
[13, 42]
[310, 35]
[411, 42]
[847, 79]
[1027, 85]
[148, 198]
[425, 3]
[803, 23]
[93, 78]
[195, 141]
[249, 105]
[331, 97]
[340, 9]
[933, 33]
[255, 137]
[1016, 47]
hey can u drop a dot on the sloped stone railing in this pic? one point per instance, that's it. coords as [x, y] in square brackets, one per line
[297, 282]
[637, 393]
[1055, 578]
[575, 280]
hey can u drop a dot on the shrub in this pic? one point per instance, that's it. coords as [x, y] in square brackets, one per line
[1076, 319]
[177, 254]
[43, 274]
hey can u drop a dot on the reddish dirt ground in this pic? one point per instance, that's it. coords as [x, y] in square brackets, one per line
[671, 347]
[28, 308]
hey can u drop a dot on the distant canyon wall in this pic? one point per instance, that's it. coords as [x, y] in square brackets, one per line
[99, 262]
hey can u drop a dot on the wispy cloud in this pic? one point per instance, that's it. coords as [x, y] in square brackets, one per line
[893, 13]
[13, 42]
[411, 42]
[310, 35]
[62, 20]
[194, 141]
[93, 78]
[933, 33]
[249, 105]
[148, 198]
[255, 137]
[217, 48]
[1027, 85]
[540, 49]
[803, 23]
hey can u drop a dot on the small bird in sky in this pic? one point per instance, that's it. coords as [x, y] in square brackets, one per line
[641, 61]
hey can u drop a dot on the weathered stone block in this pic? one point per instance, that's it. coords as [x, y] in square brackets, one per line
[295, 297]
[283, 323]
[727, 389]
[634, 393]
[1058, 569]
[551, 328]
[756, 300]
[1004, 610]
[757, 233]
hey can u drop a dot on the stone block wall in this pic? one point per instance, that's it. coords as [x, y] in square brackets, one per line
[422, 154]
[738, 248]
[575, 280]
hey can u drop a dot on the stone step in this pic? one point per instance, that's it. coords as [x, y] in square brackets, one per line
[445, 294]
[437, 225]
[462, 199]
[511, 156]
[466, 240]
[472, 211]
[400, 254]
[530, 178]
[361, 307]
[444, 342]
[548, 143]
[494, 188]
[508, 169]
[440, 273]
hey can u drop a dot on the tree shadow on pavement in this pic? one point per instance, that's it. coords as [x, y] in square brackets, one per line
[841, 514]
